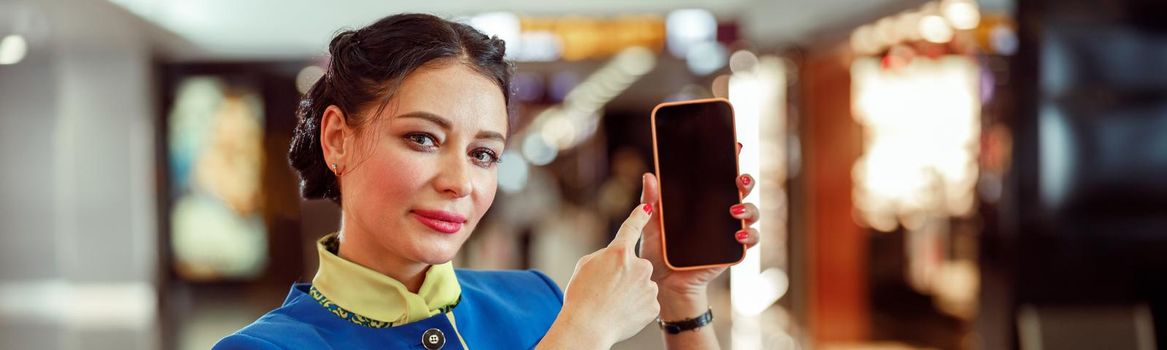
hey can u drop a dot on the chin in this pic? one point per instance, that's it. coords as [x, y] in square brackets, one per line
[437, 259]
[441, 249]
[440, 253]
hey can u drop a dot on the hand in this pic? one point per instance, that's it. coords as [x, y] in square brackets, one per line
[683, 293]
[610, 296]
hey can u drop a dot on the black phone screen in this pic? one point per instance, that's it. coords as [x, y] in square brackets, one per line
[696, 159]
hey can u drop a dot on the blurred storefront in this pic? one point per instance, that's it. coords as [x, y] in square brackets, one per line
[893, 116]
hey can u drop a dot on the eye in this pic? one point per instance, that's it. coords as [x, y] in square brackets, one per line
[485, 157]
[422, 139]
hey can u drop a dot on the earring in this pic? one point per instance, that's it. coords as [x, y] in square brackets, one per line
[335, 169]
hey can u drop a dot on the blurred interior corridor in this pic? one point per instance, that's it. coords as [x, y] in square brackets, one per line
[945, 174]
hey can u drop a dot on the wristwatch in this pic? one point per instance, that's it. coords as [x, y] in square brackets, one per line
[676, 327]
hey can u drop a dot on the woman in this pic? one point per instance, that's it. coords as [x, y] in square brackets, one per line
[404, 133]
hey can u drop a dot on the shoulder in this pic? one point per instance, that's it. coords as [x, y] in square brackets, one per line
[290, 326]
[271, 332]
[523, 304]
[241, 341]
[510, 283]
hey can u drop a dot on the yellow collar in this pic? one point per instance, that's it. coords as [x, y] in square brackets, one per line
[370, 294]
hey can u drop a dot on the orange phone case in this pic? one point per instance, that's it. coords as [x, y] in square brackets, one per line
[660, 181]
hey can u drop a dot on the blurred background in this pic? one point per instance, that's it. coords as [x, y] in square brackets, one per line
[948, 174]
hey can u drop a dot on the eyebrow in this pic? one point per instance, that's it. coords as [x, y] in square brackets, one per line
[447, 125]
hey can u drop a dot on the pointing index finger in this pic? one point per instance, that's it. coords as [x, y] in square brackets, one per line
[631, 229]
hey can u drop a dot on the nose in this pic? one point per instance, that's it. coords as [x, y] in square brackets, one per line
[453, 178]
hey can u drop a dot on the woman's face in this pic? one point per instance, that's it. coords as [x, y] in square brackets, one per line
[425, 170]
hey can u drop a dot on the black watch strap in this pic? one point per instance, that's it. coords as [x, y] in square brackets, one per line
[676, 327]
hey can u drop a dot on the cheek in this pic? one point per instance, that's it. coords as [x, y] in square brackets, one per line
[486, 187]
[394, 176]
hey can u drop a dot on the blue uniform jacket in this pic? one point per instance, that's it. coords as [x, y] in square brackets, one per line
[498, 310]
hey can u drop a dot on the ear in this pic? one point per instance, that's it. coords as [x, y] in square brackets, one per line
[335, 135]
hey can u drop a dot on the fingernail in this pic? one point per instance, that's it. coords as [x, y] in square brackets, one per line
[746, 180]
[741, 235]
[648, 208]
[737, 209]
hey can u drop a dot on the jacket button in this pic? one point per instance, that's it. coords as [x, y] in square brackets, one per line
[433, 339]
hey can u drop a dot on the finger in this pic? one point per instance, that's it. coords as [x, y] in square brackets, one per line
[745, 211]
[580, 262]
[632, 227]
[749, 237]
[644, 267]
[649, 194]
[650, 190]
[745, 184]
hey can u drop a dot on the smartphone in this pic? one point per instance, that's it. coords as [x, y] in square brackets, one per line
[694, 147]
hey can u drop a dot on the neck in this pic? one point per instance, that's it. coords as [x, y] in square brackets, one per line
[359, 247]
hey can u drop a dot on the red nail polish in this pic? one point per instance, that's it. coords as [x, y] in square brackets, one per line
[738, 209]
[648, 208]
[742, 235]
[745, 180]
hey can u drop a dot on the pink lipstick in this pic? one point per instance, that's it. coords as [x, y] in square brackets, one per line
[440, 220]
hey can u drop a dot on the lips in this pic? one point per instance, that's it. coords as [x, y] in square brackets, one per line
[440, 220]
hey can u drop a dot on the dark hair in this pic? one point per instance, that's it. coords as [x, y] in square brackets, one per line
[367, 65]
